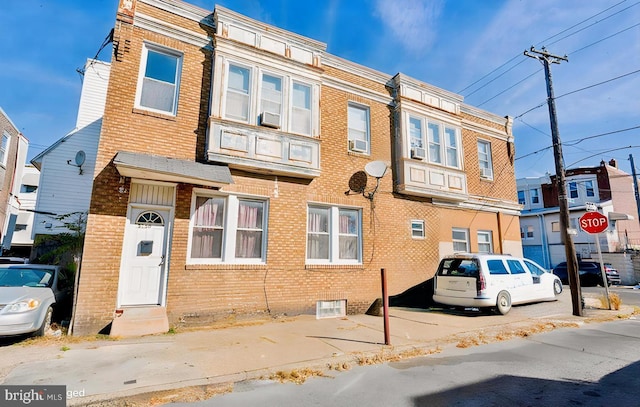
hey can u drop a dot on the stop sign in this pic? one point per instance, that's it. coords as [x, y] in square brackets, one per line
[594, 222]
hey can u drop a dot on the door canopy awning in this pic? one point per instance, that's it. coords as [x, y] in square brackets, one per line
[154, 167]
[619, 216]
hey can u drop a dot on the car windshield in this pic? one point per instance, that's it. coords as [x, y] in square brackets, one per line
[25, 277]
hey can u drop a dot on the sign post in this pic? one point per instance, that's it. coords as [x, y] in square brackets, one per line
[596, 223]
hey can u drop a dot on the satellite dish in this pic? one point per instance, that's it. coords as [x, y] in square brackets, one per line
[376, 169]
[80, 156]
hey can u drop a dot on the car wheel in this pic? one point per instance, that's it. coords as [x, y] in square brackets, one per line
[503, 302]
[46, 323]
[557, 287]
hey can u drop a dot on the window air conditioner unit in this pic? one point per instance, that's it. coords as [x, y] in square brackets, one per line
[486, 173]
[358, 145]
[268, 119]
[418, 153]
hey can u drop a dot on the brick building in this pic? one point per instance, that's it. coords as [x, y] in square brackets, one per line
[242, 170]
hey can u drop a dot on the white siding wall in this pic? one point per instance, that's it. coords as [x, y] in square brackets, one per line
[63, 189]
[30, 176]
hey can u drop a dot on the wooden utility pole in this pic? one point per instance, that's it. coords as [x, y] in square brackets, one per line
[570, 251]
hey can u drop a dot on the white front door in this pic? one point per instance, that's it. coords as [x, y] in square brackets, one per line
[143, 257]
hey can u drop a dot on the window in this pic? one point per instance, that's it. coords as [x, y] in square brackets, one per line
[238, 93]
[534, 269]
[271, 99]
[535, 196]
[573, 190]
[228, 229]
[555, 226]
[4, 146]
[417, 229]
[460, 238]
[331, 309]
[27, 189]
[485, 241]
[333, 235]
[515, 267]
[496, 267]
[529, 232]
[434, 143]
[358, 117]
[588, 186]
[19, 227]
[415, 132]
[301, 109]
[451, 143]
[484, 159]
[160, 72]
[521, 198]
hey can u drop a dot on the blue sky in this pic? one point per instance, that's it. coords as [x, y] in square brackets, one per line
[471, 47]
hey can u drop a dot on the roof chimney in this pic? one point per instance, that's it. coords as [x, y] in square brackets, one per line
[613, 163]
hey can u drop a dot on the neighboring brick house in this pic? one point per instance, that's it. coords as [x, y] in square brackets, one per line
[610, 189]
[242, 170]
[13, 154]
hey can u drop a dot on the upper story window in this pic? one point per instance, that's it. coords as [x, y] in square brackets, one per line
[573, 190]
[255, 96]
[535, 196]
[437, 142]
[484, 159]
[588, 186]
[4, 146]
[227, 229]
[526, 232]
[159, 83]
[521, 198]
[27, 189]
[358, 118]
[334, 235]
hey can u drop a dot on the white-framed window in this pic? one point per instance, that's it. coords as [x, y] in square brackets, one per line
[269, 98]
[529, 232]
[555, 226]
[4, 148]
[435, 143]
[416, 135]
[535, 195]
[521, 198]
[484, 159]
[227, 228]
[417, 229]
[588, 187]
[159, 84]
[485, 241]
[334, 235]
[573, 190]
[460, 239]
[451, 147]
[358, 124]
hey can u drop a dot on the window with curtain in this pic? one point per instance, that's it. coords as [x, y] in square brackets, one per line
[227, 229]
[333, 235]
[250, 225]
[208, 228]
[160, 79]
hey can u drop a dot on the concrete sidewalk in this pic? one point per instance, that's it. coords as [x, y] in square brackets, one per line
[109, 369]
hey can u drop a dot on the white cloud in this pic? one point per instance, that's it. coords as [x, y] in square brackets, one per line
[412, 22]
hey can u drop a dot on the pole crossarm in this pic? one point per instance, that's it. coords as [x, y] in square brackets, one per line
[543, 54]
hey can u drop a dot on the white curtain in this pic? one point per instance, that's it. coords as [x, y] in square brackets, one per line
[249, 234]
[348, 234]
[318, 234]
[207, 230]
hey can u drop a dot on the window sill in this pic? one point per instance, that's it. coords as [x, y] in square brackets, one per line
[157, 115]
[320, 267]
[225, 266]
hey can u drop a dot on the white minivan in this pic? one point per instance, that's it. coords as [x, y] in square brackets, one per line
[492, 281]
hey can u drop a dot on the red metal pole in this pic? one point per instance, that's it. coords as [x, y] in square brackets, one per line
[385, 307]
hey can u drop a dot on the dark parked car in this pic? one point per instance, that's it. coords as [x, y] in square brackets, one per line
[589, 273]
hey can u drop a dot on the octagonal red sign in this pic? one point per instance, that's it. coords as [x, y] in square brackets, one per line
[594, 222]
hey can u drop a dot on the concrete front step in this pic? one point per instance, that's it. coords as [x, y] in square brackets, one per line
[138, 321]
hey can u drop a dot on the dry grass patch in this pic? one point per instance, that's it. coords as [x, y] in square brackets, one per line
[482, 338]
[161, 398]
[297, 376]
[614, 300]
[392, 356]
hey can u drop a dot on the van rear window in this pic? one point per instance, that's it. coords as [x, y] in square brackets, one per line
[458, 267]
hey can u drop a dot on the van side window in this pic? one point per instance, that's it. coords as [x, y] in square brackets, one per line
[496, 267]
[535, 270]
[516, 267]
